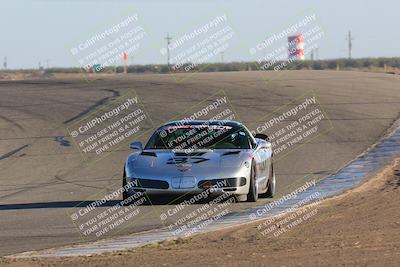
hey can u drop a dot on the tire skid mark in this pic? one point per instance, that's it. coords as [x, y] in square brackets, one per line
[62, 141]
[65, 181]
[16, 124]
[95, 105]
[12, 152]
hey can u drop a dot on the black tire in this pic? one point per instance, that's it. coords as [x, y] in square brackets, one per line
[270, 185]
[252, 196]
[125, 194]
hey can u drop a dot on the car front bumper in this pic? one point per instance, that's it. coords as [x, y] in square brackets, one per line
[188, 185]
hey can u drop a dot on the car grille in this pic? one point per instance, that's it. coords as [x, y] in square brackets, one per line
[148, 183]
[227, 182]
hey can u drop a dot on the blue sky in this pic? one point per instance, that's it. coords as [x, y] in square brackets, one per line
[33, 31]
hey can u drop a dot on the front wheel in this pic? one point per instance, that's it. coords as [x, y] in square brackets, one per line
[125, 194]
[271, 184]
[252, 196]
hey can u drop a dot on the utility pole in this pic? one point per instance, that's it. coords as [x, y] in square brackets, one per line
[222, 56]
[5, 63]
[350, 43]
[168, 38]
[47, 63]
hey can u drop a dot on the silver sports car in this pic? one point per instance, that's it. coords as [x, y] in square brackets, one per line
[188, 157]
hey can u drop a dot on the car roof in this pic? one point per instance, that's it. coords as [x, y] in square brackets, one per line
[200, 122]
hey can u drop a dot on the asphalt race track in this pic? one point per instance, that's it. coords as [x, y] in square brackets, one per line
[42, 176]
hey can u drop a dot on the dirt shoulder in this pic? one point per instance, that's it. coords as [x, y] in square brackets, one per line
[360, 227]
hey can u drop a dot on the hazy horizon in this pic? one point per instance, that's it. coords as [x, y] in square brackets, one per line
[46, 31]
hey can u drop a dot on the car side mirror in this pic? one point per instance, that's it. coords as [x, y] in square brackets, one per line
[268, 144]
[265, 145]
[262, 136]
[136, 145]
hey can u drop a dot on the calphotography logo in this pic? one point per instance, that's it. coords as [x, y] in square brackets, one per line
[194, 49]
[295, 124]
[110, 46]
[289, 44]
[105, 130]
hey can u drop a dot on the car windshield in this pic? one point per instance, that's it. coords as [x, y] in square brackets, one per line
[199, 137]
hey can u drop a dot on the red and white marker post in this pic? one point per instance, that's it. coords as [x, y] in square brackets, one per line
[125, 57]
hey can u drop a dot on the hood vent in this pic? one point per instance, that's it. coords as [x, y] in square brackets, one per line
[231, 153]
[147, 153]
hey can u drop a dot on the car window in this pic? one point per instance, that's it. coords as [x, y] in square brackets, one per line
[199, 137]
